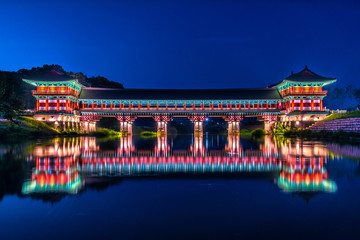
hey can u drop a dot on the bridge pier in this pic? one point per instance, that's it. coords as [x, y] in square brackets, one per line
[126, 124]
[161, 123]
[88, 123]
[233, 124]
[269, 121]
[198, 124]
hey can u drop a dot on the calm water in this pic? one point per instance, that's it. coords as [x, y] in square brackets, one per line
[180, 187]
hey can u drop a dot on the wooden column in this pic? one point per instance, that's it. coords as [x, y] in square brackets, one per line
[301, 104]
[321, 105]
[312, 104]
[57, 104]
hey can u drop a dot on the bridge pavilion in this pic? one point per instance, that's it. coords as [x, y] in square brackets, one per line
[63, 101]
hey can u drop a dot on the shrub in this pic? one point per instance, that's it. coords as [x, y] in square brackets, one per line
[258, 132]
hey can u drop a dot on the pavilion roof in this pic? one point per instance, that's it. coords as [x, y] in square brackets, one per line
[51, 76]
[180, 94]
[306, 75]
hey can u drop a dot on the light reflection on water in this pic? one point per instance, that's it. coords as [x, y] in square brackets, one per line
[210, 187]
[65, 164]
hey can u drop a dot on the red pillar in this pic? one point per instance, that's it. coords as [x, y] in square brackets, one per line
[312, 104]
[321, 105]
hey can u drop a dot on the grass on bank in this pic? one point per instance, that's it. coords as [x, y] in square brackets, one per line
[104, 132]
[29, 127]
[148, 134]
[252, 133]
[24, 127]
[353, 114]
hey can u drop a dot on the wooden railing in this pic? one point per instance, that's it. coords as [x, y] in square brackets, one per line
[50, 92]
[324, 92]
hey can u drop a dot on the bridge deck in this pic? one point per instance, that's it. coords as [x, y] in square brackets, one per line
[180, 113]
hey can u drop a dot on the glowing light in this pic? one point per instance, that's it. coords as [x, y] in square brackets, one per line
[307, 179]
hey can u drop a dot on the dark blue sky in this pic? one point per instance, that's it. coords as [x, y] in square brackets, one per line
[184, 44]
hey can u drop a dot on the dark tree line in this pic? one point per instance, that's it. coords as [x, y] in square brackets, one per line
[16, 96]
[347, 97]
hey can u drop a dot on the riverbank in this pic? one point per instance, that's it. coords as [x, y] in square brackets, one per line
[324, 135]
[353, 114]
[27, 127]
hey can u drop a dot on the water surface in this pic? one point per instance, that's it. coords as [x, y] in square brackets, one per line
[183, 187]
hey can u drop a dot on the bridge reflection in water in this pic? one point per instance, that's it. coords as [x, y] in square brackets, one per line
[66, 164]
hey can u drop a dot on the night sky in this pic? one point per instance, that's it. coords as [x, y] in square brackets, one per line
[184, 44]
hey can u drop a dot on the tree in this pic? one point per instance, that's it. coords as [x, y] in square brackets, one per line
[10, 102]
[339, 94]
[356, 93]
[349, 91]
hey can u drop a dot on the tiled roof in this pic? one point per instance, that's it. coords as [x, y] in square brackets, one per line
[180, 94]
